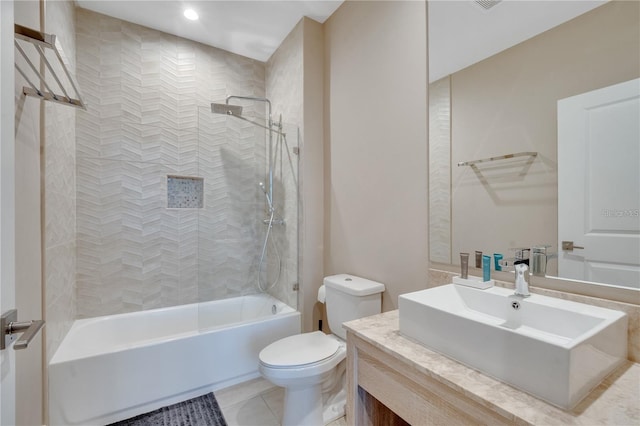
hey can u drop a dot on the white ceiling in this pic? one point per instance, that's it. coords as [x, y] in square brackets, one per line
[461, 32]
[249, 28]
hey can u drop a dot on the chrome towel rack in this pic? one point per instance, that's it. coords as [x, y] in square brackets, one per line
[500, 157]
[42, 41]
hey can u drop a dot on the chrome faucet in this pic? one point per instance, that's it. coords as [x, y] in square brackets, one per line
[539, 257]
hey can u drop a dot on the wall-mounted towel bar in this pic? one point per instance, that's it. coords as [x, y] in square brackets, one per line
[42, 41]
[501, 157]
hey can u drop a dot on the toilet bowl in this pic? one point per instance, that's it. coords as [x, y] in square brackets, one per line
[305, 365]
[311, 366]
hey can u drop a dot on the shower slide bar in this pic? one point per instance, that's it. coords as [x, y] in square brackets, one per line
[40, 42]
[500, 157]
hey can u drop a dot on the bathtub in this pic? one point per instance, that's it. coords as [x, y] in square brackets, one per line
[115, 367]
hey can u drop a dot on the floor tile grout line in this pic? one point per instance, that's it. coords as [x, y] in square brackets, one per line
[244, 399]
[258, 398]
[262, 395]
[278, 421]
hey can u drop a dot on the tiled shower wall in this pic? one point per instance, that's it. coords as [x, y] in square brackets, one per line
[439, 172]
[144, 89]
[60, 192]
[284, 78]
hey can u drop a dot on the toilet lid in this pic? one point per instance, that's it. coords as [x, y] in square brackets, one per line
[299, 349]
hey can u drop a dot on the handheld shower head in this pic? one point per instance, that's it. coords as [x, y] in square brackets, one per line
[235, 110]
[266, 194]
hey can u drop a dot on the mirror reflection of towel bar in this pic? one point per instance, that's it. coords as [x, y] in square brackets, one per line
[501, 157]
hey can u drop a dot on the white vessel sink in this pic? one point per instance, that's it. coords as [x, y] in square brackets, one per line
[554, 349]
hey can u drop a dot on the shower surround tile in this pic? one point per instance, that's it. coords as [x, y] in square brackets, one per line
[439, 175]
[59, 177]
[149, 117]
[285, 85]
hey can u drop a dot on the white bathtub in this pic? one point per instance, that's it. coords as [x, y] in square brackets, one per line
[115, 367]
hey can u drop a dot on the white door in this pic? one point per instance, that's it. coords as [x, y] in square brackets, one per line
[7, 206]
[599, 185]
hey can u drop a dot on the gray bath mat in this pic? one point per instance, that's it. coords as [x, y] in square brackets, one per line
[201, 411]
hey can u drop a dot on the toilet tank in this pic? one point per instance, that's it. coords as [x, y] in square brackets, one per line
[350, 297]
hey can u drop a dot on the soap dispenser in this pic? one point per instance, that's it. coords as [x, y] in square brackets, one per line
[522, 286]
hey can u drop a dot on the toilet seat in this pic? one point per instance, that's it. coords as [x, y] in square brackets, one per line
[299, 350]
[307, 366]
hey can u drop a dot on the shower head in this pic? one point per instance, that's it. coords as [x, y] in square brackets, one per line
[235, 110]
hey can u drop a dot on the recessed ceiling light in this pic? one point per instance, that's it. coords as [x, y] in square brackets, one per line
[191, 14]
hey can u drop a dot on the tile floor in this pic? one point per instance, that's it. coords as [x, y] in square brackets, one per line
[255, 403]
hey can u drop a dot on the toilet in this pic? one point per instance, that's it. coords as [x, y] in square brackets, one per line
[311, 366]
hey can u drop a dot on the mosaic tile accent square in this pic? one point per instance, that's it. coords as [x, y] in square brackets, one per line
[185, 192]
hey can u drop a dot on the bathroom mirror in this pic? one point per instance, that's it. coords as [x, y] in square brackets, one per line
[508, 104]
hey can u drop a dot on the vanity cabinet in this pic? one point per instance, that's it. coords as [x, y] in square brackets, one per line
[385, 391]
[393, 380]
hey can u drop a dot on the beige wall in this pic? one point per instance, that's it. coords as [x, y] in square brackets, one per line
[507, 104]
[376, 144]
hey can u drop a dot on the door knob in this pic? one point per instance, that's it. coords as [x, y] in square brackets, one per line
[568, 246]
[9, 326]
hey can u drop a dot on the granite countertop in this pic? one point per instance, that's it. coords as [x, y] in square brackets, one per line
[616, 401]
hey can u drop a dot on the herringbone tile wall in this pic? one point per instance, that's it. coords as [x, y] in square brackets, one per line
[284, 76]
[59, 159]
[439, 174]
[148, 117]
